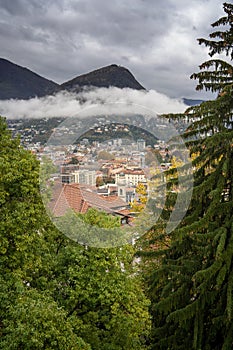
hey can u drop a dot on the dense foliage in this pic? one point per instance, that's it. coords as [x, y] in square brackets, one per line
[55, 293]
[189, 272]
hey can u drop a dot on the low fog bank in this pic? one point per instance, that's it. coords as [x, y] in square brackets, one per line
[92, 102]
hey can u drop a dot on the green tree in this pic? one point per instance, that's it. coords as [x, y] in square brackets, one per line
[104, 155]
[28, 318]
[34, 321]
[190, 272]
[221, 74]
[74, 160]
[55, 293]
[99, 288]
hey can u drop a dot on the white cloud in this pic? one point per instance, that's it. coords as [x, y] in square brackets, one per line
[104, 101]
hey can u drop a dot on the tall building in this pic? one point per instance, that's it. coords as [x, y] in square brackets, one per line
[141, 145]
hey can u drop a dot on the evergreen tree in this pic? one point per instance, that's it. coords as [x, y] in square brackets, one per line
[221, 74]
[190, 271]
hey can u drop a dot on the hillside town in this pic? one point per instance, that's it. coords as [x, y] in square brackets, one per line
[109, 167]
[109, 176]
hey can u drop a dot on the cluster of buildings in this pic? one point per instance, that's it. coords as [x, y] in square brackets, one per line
[85, 180]
[94, 174]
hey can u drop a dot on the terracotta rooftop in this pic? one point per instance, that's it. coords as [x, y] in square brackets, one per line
[77, 197]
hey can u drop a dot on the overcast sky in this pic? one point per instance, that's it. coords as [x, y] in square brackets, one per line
[154, 39]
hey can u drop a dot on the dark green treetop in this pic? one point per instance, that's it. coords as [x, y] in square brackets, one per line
[221, 41]
[191, 284]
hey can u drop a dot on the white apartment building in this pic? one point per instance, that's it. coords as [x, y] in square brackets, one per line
[83, 176]
[130, 177]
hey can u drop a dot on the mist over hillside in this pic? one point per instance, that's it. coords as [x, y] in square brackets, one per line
[17, 82]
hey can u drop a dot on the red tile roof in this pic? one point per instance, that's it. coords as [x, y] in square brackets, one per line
[79, 198]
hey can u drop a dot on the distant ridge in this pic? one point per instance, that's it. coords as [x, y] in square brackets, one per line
[20, 83]
[17, 82]
[190, 102]
[112, 75]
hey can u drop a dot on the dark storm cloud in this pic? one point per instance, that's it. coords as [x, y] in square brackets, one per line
[156, 40]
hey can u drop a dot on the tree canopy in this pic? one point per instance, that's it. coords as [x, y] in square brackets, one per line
[189, 272]
[54, 292]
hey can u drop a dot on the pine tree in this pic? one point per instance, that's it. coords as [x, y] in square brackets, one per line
[221, 74]
[190, 276]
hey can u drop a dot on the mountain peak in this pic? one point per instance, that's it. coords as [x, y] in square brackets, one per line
[19, 82]
[111, 75]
